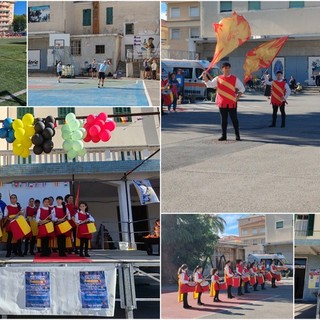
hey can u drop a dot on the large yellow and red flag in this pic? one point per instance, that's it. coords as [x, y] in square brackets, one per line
[231, 33]
[262, 56]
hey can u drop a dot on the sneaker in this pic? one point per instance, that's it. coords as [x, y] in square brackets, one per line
[238, 138]
[222, 138]
[98, 86]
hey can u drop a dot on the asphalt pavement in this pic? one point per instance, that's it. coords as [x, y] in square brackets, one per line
[270, 170]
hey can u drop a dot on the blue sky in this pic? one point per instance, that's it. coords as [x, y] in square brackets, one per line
[163, 10]
[20, 7]
[231, 227]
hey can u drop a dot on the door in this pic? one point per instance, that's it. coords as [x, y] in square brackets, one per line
[129, 51]
[299, 277]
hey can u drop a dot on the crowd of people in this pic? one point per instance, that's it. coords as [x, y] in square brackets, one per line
[244, 276]
[61, 227]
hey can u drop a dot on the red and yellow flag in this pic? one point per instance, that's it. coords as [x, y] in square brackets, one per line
[262, 56]
[231, 33]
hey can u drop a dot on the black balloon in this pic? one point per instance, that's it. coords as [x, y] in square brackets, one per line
[49, 119]
[47, 133]
[37, 139]
[50, 125]
[39, 127]
[37, 149]
[54, 132]
[47, 146]
[36, 120]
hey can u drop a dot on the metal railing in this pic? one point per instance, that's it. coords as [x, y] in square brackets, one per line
[93, 154]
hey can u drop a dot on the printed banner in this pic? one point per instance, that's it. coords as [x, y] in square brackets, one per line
[83, 290]
[34, 59]
[145, 192]
[313, 282]
[39, 14]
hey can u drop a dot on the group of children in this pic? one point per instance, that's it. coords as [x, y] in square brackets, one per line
[243, 276]
[52, 226]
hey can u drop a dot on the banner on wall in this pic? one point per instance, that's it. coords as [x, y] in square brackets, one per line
[145, 191]
[34, 59]
[39, 14]
[314, 275]
[277, 65]
[58, 290]
[313, 69]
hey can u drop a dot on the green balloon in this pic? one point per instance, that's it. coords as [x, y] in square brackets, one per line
[78, 145]
[71, 154]
[70, 116]
[76, 135]
[74, 124]
[67, 145]
[84, 132]
[66, 135]
[65, 128]
[82, 152]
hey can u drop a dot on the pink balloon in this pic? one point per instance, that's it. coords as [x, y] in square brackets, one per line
[91, 118]
[105, 135]
[96, 139]
[99, 122]
[87, 138]
[110, 125]
[102, 116]
[94, 131]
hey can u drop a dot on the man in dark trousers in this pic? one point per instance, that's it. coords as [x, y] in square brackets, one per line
[229, 90]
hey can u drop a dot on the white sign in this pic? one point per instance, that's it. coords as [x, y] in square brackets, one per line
[145, 191]
[313, 69]
[85, 290]
[34, 59]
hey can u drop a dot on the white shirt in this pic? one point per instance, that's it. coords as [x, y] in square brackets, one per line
[6, 209]
[181, 277]
[154, 66]
[90, 217]
[196, 277]
[214, 84]
[286, 87]
[54, 218]
[39, 211]
[227, 271]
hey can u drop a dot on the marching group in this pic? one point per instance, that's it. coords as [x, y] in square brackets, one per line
[245, 275]
[63, 226]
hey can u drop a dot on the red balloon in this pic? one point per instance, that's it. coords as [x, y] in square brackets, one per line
[105, 135]
[99, 122]
[96, 139]
[91, 118]
[110, 125]
[102, 116]
[87, 138]
[94, 131]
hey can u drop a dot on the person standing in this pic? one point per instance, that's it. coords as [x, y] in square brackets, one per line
[30, 215]
[102, 72]
[246, 283]
[215, 289]
[228, 275]
[93, 68]
[229, 90]
[59, 71]
[239, 271]
[267, 87]
[72, 210]
[81, 217]
[154, 67]
[293, 84]
[280, 91]
[11, 212]
[274, 273]
[198, 278]
[262, 270]
[183, 281]
[174, 84]
[253, 274]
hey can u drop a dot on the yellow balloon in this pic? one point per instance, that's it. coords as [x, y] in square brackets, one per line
[25, 153]
[16, 124]
[29, 130]
[19, 133]
[28, 119]
[26, 142]
[17, 150]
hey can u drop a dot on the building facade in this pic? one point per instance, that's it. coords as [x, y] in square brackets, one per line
[79, 31]
[307, 252]
[279, 235]
[252, 233]
[6, 16]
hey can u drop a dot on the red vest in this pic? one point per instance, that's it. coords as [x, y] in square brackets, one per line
[215, 277]
[12, 211]
[59, 212]
[226, 92]
[240, 268]
[44, 213]
[277, 92]
[82, 216]
[72, 209]
[31, 211]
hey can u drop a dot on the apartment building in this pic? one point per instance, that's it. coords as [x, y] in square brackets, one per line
[6, 16]
[307, 252]
[80, 31]
[252, 233]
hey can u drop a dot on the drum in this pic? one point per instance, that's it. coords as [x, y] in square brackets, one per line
[253, 280]
[236, 282]
[45, 230]
[192, 284]
[204, 286]
[245, 277]
[260, 279]
[167, 97]
[19, 228]
[62, 228]
[86, 228]
[277, 276]
[204, 283]
[223, 286]
[268, 276]
[34, 227]
[190, 287]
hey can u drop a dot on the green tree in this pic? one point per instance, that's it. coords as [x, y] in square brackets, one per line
[187, 238]
[19, 23]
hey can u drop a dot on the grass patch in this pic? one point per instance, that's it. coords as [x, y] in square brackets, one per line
[13, 70]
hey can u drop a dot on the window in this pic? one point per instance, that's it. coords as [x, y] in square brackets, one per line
[262, 241]
[100, 48]
[296, 4]
[225, 6]
[75, 47]
[175, 34]
[86, 20]
[62, 112]
[109, 15]
[129, 28]
[122, 119]
[254, 242]
[254, 231]
[195, 32]
[194, 12]
[22, 111]
[254, 5]
[301, 227]
[244, 232]
[262, 230]
[279, 224]
[175, 12]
